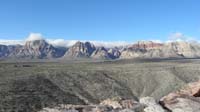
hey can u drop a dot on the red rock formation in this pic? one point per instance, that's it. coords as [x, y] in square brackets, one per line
[146, 45]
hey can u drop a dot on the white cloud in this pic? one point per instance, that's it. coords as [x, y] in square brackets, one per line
[178, 36]
[68, 43]
[62, 42]
[157, 41]
[110, 43]
[11, 42]
[34, 36]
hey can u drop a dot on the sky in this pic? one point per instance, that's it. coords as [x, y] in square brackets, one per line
[100, 20]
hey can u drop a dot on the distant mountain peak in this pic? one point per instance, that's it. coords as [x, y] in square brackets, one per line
[36, 44]
[80, 50]
[37, 48]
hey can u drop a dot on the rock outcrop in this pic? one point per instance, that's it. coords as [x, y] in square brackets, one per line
[142, 49]
[147, 104]
[184, 100]
[105, 106]
[151, 105]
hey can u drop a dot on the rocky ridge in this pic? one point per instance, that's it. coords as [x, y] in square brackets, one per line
[40, 49]
[184, 100]
[166, 50]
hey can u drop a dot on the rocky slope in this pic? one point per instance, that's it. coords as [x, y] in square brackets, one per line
[101, 53]
[114, 53]
[3, 51]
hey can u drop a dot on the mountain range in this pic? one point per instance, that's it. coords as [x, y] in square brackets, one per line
[41, 49]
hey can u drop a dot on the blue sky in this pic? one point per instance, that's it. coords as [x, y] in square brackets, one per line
[100, 20]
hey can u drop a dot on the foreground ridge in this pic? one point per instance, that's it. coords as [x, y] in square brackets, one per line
[183, 100]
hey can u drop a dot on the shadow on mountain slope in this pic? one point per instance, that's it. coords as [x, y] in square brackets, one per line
[33, 93]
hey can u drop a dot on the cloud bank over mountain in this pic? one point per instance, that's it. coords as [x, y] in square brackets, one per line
[68, 43]
[176, 36]
[62, 42]
[11, 42]
[34, 36]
